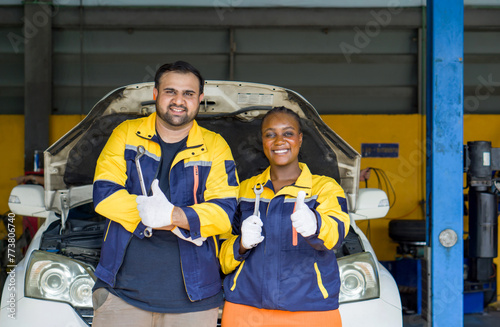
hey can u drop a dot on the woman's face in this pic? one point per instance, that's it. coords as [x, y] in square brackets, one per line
[281, 139]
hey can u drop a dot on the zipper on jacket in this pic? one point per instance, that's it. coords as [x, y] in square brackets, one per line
[320, 281]
[196, 181]
[294, 231]
[236, 275]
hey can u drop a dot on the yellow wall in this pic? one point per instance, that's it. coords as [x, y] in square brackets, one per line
[12, 162]
[12, 139]
[60, 125]
[406, 173]
[482, 128]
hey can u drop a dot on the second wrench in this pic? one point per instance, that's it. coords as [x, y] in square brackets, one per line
[258, 192]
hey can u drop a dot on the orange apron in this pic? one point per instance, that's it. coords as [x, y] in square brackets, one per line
[239, 315]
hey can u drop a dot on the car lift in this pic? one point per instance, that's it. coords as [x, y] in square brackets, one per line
[444, 85]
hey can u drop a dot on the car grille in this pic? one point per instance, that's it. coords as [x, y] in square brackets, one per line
[87, 315]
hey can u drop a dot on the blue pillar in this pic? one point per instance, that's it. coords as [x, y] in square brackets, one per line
[445, 159]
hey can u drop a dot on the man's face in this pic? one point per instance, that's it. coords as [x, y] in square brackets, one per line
[177, 98]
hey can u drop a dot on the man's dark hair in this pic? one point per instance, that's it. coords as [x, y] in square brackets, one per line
[282, 110]
[180, 67]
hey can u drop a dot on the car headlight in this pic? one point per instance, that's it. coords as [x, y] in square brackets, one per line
[359, 278]
[54, 277]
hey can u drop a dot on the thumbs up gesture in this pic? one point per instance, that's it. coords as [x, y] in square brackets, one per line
[303, 219]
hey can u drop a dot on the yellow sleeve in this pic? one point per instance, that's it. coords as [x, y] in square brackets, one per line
[214, 216]
[332, 208]
[227, 259]
[111, 199]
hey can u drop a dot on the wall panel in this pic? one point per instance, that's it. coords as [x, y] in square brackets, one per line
[11, 71]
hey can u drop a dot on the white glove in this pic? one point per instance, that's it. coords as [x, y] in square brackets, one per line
[155, 211]
[251, 232]
[198, 242]
[303, 219]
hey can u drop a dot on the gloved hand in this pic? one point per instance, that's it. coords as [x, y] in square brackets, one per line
[155, 211]
[303, 219]
[251, 232]
[198, 242]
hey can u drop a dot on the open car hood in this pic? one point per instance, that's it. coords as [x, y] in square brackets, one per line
[232, 109]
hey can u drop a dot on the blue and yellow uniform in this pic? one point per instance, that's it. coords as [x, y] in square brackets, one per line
[287, 271]
[203, 183]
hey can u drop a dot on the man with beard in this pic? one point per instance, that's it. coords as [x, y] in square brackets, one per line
[172, 277]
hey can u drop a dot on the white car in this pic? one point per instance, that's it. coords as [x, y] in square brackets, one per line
[53, 283]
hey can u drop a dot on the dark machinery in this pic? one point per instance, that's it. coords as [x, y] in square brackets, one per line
[480, 162]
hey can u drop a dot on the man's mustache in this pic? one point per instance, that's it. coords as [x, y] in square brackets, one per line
[181, 106]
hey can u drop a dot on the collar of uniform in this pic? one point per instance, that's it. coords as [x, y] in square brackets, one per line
[147, 129]
[195, 144]
[195, 141]
[305, 178]
[265, 178]
[195, 138]
[303, 183]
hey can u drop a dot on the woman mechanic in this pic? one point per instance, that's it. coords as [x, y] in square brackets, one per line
[282, 270]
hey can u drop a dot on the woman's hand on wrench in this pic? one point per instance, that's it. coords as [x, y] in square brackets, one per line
[251, 232]
[155, 211]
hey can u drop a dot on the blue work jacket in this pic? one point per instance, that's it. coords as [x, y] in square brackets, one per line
[287, 271]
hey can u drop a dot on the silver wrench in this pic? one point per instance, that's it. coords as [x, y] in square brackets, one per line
[148, 232]
[258, 192]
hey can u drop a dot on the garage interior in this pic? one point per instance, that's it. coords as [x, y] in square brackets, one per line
[372, 69]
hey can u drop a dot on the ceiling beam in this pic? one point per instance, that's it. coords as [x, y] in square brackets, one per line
[214, 17]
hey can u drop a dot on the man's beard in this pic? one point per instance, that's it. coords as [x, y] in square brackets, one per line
[175, 120]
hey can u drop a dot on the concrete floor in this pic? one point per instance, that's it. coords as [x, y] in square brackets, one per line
[486, 319]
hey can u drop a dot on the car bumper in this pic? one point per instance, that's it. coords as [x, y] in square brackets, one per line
[40, 313]
[375, 313]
